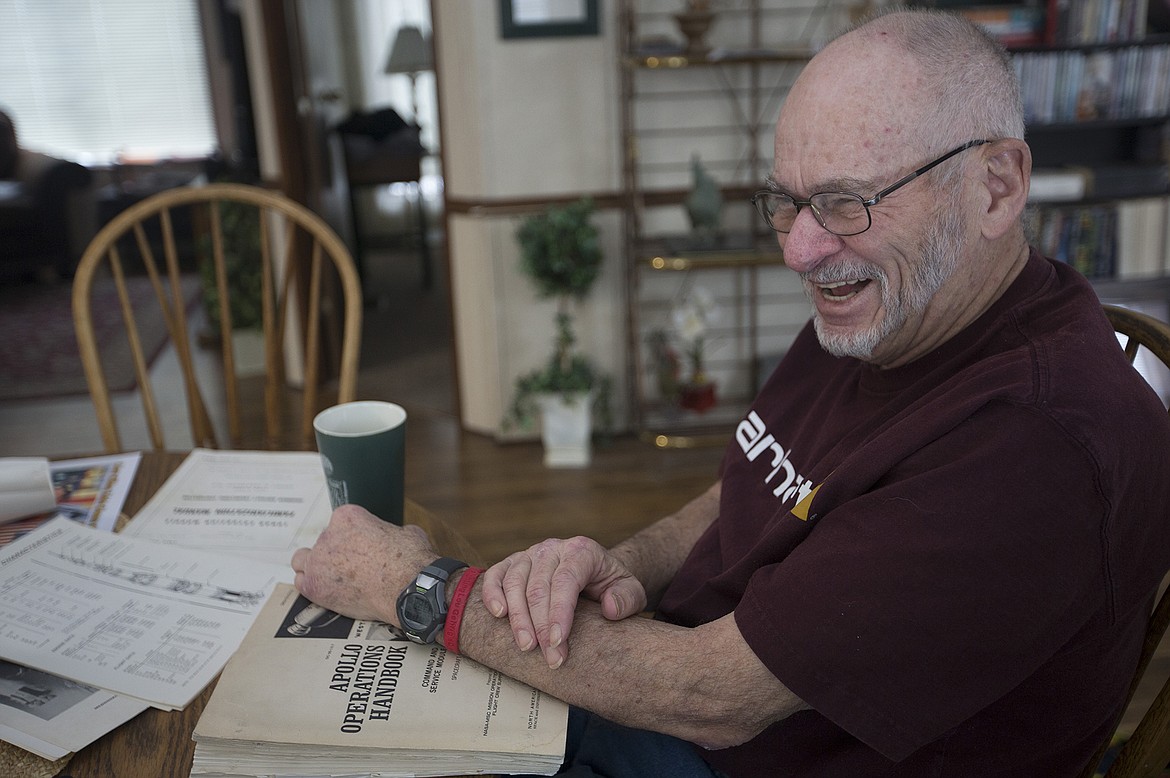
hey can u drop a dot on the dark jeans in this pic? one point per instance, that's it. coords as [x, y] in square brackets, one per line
[598, 748]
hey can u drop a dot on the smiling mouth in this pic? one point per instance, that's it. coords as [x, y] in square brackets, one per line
[843, 290]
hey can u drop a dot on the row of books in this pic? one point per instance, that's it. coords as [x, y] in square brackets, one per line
[1071, 183]
[1095, 21]
[1126, 240]
[1062, 22]
[1011, 25]
[1070, 86]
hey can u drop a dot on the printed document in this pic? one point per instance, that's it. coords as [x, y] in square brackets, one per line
[146, 620]
[51, 716]
[40, 712]
[260, 504]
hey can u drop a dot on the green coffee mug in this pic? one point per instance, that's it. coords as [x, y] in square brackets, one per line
[363, 451]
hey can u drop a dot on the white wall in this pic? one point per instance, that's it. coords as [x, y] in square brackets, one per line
[526, 118]
[377, 22]
[523, 118]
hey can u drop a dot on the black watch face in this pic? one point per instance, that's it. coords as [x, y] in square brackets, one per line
[417, 612]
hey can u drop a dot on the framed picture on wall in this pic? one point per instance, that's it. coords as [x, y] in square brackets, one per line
[548, 18]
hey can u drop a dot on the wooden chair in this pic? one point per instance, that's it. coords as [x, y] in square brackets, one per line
[212, 227]
[1147, 750]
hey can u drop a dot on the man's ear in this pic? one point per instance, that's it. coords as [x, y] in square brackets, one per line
[1007, 177]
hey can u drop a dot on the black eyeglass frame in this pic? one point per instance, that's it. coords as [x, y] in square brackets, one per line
[758, 199]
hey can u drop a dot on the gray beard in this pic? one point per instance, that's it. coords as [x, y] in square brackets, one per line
[938, 259]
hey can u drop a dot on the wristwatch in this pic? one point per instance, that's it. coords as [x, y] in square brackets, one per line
[422, 606]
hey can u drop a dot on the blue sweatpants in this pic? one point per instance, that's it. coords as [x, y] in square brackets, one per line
[598, 748]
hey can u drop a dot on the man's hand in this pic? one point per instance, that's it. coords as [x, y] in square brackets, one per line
[537, 590]
[360, 564]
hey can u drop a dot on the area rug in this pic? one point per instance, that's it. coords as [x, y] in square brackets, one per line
[38, 348]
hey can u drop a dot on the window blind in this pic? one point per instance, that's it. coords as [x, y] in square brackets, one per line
[96, 80]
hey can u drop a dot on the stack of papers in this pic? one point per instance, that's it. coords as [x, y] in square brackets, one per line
[95, 627]
[98, 627]
[261, 505]
[41, 712]
[145, 620]
[105, 614]
[312, 693]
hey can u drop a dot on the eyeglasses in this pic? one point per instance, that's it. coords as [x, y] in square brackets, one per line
[841, 213]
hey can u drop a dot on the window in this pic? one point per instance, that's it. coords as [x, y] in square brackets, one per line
[99, 80]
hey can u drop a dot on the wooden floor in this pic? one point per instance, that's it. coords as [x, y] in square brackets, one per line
[502, 498]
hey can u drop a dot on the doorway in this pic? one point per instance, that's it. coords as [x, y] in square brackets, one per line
[354, 59]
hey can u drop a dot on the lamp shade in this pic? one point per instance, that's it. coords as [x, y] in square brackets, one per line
[410, 53]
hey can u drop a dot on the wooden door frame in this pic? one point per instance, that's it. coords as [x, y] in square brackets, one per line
[285, 72]
[444, 255]
[284, 75]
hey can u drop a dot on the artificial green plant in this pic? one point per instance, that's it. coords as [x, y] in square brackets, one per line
[240, 225]
[561, 254]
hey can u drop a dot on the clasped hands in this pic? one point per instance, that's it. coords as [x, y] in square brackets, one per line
[360, 563]
[538, 588]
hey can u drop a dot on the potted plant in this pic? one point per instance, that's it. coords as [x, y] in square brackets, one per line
[241, 242]
[560, 253]
[693, 317]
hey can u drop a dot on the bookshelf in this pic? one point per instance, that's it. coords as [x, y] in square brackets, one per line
[1095, 81]
[1099, 113]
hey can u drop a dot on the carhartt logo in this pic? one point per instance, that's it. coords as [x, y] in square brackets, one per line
[754, 438]
[801, 509]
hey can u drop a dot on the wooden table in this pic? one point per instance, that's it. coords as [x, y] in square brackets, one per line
[157, 744]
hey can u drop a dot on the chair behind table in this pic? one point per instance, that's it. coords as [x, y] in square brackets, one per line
[1146, 751]
[309, 315]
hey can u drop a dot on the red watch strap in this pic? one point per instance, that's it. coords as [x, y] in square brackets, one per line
[458, 604]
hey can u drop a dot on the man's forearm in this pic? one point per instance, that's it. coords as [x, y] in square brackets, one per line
[656, 553]
[704, 685]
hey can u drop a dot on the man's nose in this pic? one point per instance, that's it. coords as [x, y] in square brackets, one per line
[807, 243]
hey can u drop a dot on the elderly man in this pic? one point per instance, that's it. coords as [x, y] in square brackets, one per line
[937, 532]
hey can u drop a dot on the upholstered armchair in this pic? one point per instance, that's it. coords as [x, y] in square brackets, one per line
[48, 211]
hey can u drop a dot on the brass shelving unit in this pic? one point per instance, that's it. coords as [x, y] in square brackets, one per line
[723, 101]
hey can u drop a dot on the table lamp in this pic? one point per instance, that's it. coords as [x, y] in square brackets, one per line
[410, 54]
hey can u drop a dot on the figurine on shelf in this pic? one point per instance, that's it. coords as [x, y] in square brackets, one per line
[704, 205]
[694, 22]
[667, 365]
[692, 319]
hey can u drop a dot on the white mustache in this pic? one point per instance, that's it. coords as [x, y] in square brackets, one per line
[825, 276]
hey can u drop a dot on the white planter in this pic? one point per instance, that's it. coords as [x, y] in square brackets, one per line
[248, 352]
[566, 428]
